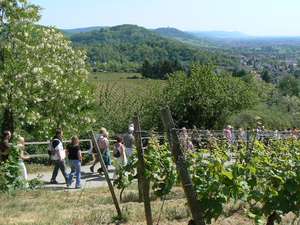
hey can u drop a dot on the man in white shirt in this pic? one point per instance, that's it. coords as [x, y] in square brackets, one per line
[58, 156]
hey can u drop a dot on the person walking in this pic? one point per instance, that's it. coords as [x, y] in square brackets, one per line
[104, 147]
[23, 156]
[58, 156]
[103, 143]
[96, 157]
[129, 141]
[75, 158]
[5, 146]
[228, 134]
[119, 155]
[185, 140]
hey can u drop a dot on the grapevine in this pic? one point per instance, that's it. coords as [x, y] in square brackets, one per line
[160, 169]
[264, 175]
[267, 180]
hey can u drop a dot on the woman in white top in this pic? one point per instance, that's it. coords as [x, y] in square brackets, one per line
[23, 156]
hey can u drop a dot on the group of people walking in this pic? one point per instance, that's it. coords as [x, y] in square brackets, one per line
[58, 155]
[73, 153]
[195, 139]
[122, 150]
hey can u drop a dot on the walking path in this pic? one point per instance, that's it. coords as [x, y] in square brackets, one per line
[88, 179]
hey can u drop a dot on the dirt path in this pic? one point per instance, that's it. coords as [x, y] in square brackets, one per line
[88, 179]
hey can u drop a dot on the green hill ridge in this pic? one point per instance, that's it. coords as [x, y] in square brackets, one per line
[126, 47]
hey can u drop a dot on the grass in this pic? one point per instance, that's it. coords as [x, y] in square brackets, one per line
[95, 206]
[38, 168]
[92, 206]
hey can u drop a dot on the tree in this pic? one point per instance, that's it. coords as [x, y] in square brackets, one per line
[160, 69]
[239, 72]
[289, 86]
[297, 74]
[206, 99]
[43, 81]
[146, 69]
[266, 76]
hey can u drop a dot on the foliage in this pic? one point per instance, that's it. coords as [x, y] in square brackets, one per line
[274, 179]
[127, 173]
[160, 70]
[272, 118]
[206, 99]
[118, 98]
[289, 85]
[160, 169]
[266, 76]
[264, 174]
[10, 172]
[276, 110]
[124, 48]
[43, 80]
[217, 180]
[115, 106]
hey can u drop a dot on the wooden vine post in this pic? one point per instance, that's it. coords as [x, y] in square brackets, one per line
[111, 188]
[182, 168]
[143, 182]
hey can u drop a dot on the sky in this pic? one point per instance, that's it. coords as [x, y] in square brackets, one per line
[253, 17]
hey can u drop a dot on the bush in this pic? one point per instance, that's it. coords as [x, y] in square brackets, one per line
[206, 99]
[10, 172]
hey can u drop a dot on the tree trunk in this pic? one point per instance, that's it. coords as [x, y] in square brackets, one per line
[8, 121]
[182, 168]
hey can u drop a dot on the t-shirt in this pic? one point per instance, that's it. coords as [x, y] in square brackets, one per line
[59, 149]
[73, 152]
[128, 140]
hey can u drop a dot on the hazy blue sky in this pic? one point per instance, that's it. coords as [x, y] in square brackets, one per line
[255, 17]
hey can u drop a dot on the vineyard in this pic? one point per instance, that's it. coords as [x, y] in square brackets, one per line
[256, 171]
[119, 95]
[55, 82]
[262, 173]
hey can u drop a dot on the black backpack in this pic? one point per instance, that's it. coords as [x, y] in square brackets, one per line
[117, 153]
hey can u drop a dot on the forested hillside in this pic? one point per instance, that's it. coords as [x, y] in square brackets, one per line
[127, 47]
[130, 48]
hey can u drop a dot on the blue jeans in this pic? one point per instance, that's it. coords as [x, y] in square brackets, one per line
[75, 170]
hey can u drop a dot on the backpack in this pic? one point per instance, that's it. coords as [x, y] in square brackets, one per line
[117, 153]
[51, 150]
[102, 143]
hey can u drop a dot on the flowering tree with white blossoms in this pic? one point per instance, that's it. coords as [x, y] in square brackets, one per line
[43, 80]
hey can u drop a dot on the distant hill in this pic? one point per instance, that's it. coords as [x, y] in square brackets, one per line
[183, 36]
[81, 30]
[220, 34]
[171, 32]
[126, 47]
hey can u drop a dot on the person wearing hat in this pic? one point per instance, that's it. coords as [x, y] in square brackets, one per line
[129, 141]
